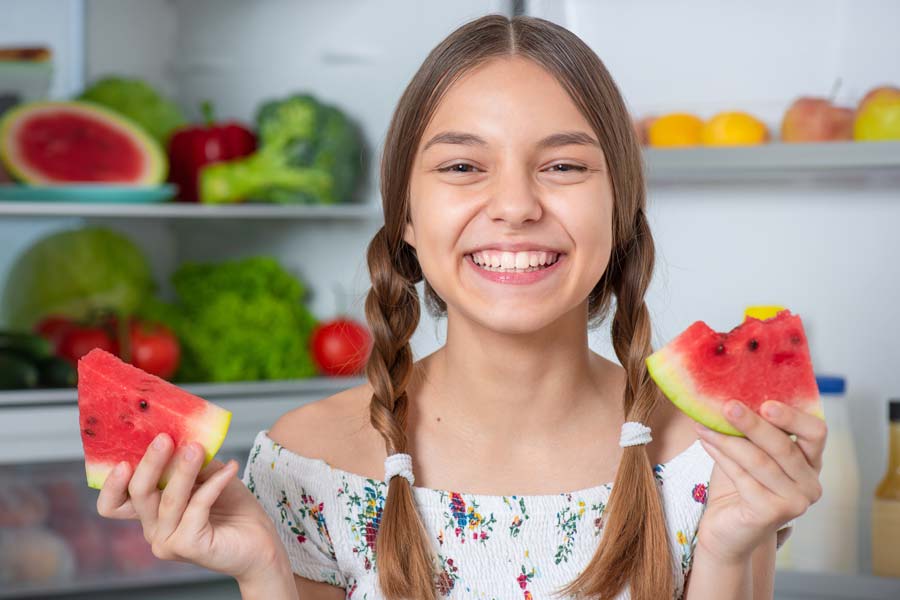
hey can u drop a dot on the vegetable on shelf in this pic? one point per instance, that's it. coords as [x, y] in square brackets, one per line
[139, 101]
[27, 361]
[192, 147]
[75, 273]
[309, 153]
[341, 346]
[240, 320]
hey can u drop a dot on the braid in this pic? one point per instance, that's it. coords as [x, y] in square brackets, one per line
[634, 536]
[402, 549]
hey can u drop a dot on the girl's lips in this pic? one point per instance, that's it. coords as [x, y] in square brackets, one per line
[516, 278]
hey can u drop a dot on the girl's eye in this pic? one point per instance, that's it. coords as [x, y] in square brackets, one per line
[453, 168]
[569, 168]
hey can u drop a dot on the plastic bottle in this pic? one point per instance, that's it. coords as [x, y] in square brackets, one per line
[886, 505]
[826, 537]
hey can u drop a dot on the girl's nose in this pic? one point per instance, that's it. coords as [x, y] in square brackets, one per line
[513, 198]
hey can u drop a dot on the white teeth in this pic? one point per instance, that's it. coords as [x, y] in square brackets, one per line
[514, 261]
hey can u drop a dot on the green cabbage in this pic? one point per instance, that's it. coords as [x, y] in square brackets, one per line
[76, 273]
[137, 100]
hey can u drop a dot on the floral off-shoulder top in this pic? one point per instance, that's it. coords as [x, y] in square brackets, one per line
[485, 547]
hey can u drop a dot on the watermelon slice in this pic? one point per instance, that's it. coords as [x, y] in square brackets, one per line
[759, 360]
[51, 143]
[121, 409]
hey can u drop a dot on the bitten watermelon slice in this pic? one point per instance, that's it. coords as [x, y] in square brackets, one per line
[51, 143]
[759, 360]
[121, 409]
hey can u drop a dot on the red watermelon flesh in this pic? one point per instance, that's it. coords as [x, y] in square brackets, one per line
[121, 409]
[50, 143]
[759, 360]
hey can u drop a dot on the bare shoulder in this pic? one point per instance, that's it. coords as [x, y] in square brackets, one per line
[335, 429]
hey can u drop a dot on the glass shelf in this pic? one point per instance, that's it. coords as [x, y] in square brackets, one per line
[872, 162]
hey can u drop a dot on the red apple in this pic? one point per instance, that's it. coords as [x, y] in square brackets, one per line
[810, 119]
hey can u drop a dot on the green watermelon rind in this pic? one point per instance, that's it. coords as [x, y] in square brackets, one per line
[157, 162]
[216, 431]
[663, 368]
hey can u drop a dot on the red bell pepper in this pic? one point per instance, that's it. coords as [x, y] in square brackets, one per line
[192, 147]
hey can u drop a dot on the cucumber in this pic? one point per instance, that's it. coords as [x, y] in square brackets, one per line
[56, 372]
[28, 345]
[16, 372]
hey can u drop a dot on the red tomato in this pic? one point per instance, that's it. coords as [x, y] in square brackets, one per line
[154, 349]
[340, 347]
[78, 340]
[53, 328]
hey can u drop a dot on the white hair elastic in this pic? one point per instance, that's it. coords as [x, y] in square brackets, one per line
[634, 434]
[398, 464]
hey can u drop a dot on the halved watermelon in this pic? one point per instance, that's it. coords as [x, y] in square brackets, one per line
[121, 409]
[49, 143]
[759, 360]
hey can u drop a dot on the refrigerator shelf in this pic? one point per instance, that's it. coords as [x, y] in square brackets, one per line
[42, 425]
[851, 162]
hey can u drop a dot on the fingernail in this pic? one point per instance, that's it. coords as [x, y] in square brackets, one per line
[160, 442]
[773, 410]
[736, 410]
[189, 453]
[120, 469]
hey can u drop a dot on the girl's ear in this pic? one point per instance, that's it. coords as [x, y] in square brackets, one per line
[409, 234]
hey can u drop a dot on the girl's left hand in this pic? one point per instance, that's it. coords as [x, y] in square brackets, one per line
[768, 478]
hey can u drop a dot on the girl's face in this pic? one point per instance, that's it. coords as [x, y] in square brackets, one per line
[508, 164]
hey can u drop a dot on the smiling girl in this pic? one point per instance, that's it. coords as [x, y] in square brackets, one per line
[513, 462]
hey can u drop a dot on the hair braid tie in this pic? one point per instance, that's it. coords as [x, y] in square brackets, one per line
[634, 434]
[398, 464]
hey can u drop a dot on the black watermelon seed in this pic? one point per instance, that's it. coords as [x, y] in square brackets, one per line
[753, 345]
[92, 420]
[720, 349]
[89, 432]
[795, 339]
[143, 404]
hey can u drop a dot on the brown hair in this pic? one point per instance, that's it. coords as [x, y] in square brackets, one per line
[634, 547]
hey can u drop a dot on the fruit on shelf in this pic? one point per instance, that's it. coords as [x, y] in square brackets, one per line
[675, 130]
[812, 119]
[734, 128]
[52, 143]
[877, 117]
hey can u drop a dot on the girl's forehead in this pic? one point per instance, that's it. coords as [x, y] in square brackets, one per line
[506, 101]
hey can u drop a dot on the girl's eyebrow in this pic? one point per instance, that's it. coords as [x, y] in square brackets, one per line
[563, 138]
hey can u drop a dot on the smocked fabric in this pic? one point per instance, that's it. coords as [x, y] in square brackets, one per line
[485, 547]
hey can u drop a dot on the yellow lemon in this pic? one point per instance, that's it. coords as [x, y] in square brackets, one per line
[674, 130]
[734, 128]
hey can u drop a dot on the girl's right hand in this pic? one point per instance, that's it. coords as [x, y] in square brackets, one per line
[206, 517]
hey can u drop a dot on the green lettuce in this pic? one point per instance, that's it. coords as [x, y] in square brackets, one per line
[241, 320]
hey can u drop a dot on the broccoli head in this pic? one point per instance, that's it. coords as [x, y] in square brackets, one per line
[309, 153]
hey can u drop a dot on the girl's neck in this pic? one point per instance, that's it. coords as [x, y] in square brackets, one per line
[533, 387]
